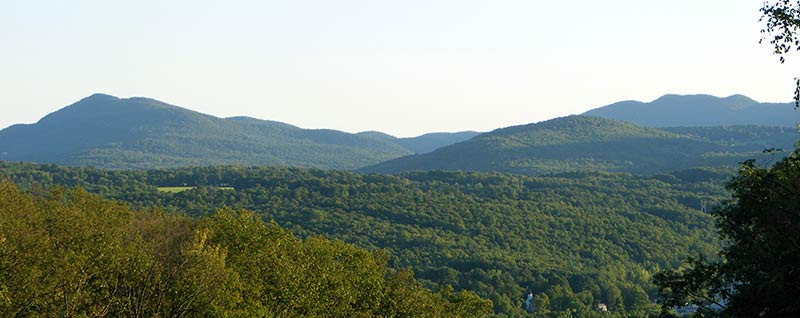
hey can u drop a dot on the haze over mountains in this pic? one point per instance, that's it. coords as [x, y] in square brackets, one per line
[106, 131]
[700, 110]
[423, 143]
[141, 133]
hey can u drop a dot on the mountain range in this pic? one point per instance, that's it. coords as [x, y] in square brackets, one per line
[106, 131]
[671, 133]
[700, 110]
[584, 143]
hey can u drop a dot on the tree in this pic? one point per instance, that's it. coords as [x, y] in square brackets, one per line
[782, 23]
[67, 253]
[756, 274]
[541, 303]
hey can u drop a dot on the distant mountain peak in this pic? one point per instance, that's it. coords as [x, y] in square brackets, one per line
[739, 101]
[740, 97]
[140, 132]
[673, 110]
[703, 98]
[667, 97]
[245, 119]
[96, 97]
[678, 98]
[376, 134]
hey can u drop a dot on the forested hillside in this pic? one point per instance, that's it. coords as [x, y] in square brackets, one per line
[110, 132]
[68, 253]
[581, 143]
[743, 138]
[573, 240]
[699, 111]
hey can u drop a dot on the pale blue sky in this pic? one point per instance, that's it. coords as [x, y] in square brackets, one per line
[402, 67]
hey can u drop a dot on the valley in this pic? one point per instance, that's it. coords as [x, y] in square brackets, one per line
[578, 211]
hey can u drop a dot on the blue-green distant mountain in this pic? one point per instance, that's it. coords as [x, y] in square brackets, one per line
[700, 110]
[424, 143]
[583, 143]
[106, 131]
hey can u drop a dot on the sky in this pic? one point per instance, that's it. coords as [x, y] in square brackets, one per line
[402, 67]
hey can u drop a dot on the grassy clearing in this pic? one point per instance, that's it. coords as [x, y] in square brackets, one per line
[174, 189]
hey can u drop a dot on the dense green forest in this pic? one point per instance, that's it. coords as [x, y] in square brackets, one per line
[699, 110]
[68, 253]
[743, 138]
[756, 272]
[573, 240]
[106, 131]
[581, 143]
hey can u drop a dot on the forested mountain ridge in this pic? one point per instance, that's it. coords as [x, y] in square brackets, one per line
[498, 235]
[700, 110]
[142, 133]
[584, 143]
[106, 131]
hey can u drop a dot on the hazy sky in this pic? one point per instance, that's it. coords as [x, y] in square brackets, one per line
[402, 67]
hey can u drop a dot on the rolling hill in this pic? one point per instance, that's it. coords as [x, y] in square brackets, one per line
[582, 143]
[579, 238]
[106, 131]
[700, 110]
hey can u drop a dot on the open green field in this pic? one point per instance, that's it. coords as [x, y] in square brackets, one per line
[181, 189]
